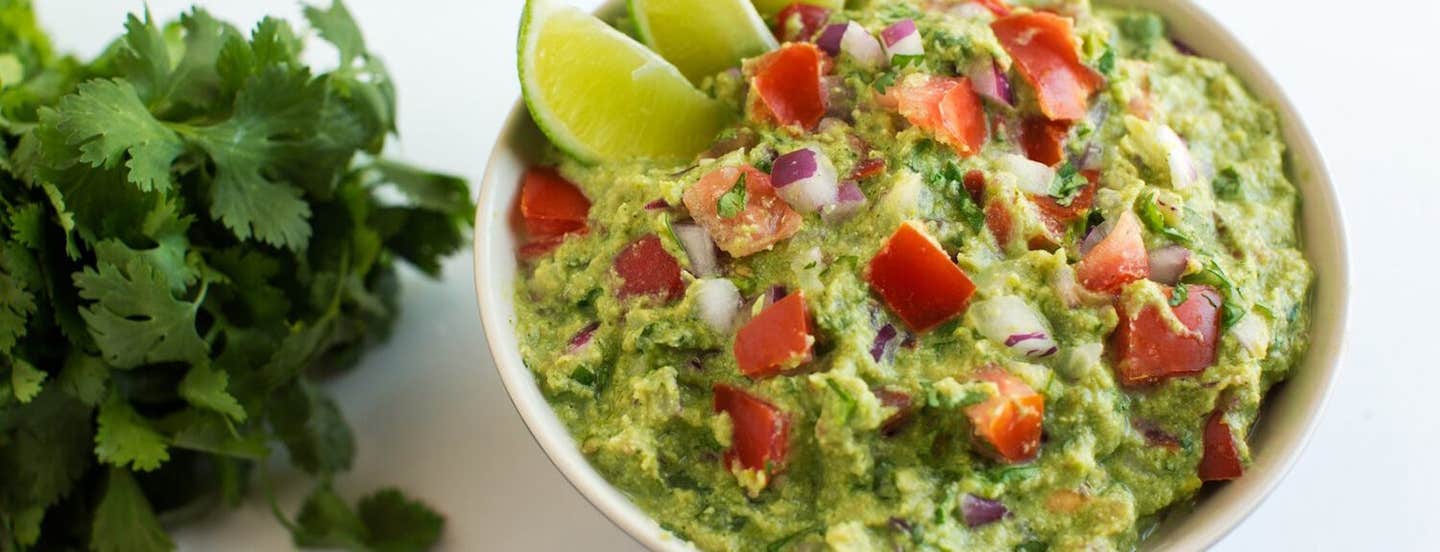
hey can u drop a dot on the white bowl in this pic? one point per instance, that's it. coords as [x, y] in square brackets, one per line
[1290, 414]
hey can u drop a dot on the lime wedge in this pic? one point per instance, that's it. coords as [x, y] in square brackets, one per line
[769, 8]
[702, 37]
[599, 95]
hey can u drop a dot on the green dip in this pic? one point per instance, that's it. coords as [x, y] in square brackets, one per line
[638, 396]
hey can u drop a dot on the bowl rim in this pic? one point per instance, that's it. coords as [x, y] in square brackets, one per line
[1320, 197]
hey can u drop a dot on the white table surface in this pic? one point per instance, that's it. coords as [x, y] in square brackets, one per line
[431, 417]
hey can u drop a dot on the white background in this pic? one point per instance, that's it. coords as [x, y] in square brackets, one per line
[432, 418]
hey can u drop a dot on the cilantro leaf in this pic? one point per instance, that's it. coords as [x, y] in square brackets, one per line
[734, 200]
[136, 319]
[17, 302]
[902, 61]
[310, 425]
[1180, 295]
[398, 524]
[144, 56]
[1106, 64]
[205, 387]
[270, 111]
[206, 431]
[1148, 208]
[25, 380]
[108, 122]
[325, 520]
[124, 519]
[1068, 184]
[126, 438]
[1227, 184]
[84, 377]
[337, 27]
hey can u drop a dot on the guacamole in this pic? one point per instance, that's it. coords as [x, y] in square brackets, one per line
[962, 276]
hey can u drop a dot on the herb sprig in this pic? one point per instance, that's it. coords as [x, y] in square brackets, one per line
[193, 227]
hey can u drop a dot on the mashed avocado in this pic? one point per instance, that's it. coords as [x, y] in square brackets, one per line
[880, 448]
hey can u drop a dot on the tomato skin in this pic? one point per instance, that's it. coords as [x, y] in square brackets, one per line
[787, 86]
[1044, 140]
[867, 169]
[765, 220]
[761, 436]
[1147, 349]
[800, 22]
[550, 205]
[647, 269]
[1221, 461]
[1009, 425]
[917, 279]
[946, 107]
[777, 339]
[1000, 223]
[1044, 48]
[975, 185]
[1117, 260]
[1057, 218]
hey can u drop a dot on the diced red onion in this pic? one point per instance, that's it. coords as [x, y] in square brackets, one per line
[902, 39]
[1154, 434]
[582, 337]
[990, 82]
[775, 294]
[1183, 48]
[806, 179]
[830, 38]
[657, 205]
[1183, 171]
[719, 302]
[850, 201]
[852, 40]
[1031, 176]
[704, 259]
[979, 511]
[900, 526]
[1168, 264]
[1012, 322]
[882, 346]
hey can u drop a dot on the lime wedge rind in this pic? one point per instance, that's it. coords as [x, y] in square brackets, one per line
[702, 37]
[599, 95]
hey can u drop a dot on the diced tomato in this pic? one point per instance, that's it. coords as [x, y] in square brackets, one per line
[1221, 461]
[918, 280]
[948, 108]
[765, 220]
[1043, 46]
[975, 185]
[646, 268]
[539, 247]
[760, 439]
[551, 205]
[1000, 222]
[867, 169]
[787, 84]
[1044, 140]
[800, 22]
[1117, 260]
[1008, 425]
[1057, 218]
[776, 340]
[997, 7]
[1149, 350]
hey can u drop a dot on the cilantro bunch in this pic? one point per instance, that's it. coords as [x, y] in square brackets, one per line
[193, 227]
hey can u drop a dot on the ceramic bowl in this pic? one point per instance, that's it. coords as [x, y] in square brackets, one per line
[1285, 426]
